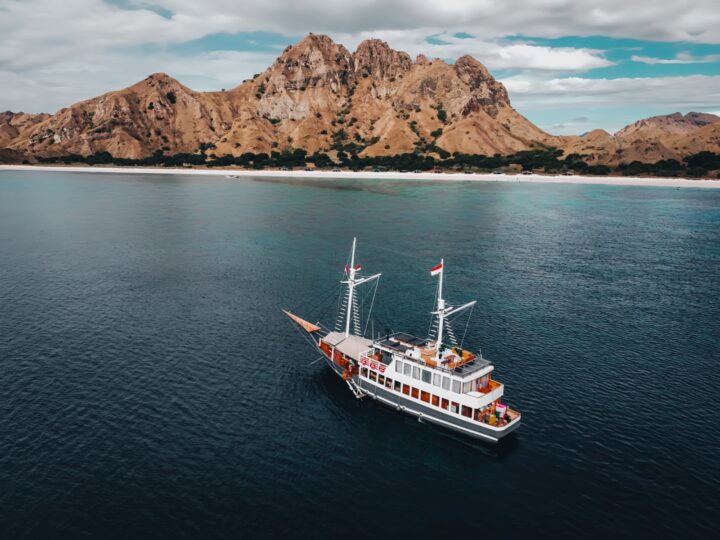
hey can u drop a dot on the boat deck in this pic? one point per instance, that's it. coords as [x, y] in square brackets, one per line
[352, 346]
[460, 362]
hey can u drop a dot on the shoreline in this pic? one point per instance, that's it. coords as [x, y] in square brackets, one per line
[458, 177]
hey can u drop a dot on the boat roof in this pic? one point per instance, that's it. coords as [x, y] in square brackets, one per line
[402, 342]
[351, 346]
[471, 367]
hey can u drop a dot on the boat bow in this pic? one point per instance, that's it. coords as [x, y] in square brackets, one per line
[302, 323]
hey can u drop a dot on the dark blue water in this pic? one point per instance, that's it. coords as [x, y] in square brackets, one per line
[150, 387]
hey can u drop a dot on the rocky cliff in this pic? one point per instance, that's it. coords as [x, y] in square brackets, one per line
[318, 96]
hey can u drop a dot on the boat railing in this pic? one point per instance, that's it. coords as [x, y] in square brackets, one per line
[491, 385]
[489, 418]
[450, 367]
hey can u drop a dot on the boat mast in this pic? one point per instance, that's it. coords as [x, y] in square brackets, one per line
[353, 281]
[443, 311]
[351, 289]
[440, 310]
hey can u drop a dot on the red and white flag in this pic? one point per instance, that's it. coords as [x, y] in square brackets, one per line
[435, 271]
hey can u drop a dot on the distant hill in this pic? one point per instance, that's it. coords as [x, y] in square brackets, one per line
[319, 97]
[671, 136]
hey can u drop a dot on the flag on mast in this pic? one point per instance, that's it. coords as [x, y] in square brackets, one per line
[435, 271]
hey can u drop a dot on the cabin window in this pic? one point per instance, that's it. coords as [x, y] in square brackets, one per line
[466, 411]
[435, 400]
[388, 383]
[456, 386]
[425, 396]
[398, 386]
[446, 383]
[398, 366]
[444, 403]
[373, 376]
[381, 379]
[407, 369]
[454, 407]
[416, 372]
[414, 392]
[406, 389]
[484, 381]
[467, 387]
[436, 379]
[363, 372]
[426, 376]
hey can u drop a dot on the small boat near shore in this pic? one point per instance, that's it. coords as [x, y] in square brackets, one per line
[433, 378]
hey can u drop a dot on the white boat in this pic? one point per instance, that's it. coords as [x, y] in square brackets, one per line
[432, 378]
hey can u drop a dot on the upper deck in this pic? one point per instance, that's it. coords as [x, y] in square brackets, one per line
[458, 362]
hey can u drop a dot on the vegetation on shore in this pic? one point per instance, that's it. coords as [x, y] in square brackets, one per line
[548, 161]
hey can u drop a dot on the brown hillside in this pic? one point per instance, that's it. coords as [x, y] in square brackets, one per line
[317, 94]
[314, 94]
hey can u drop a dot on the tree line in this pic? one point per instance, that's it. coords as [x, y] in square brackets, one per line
[549, 161]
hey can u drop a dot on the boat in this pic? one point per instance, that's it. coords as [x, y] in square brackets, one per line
[434, 379]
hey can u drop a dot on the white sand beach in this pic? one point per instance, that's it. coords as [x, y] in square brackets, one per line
[459, 177]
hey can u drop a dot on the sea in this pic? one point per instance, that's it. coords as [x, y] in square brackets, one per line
[151, 387]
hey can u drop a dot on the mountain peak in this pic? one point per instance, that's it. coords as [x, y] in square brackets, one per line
[674, 123]
[159, 81]
[374, 57]
[467, 63]
[314, 42]
[315, 52]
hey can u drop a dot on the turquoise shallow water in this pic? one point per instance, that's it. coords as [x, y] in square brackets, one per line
[150, 386]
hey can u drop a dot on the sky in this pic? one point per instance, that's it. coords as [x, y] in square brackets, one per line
[569, 65]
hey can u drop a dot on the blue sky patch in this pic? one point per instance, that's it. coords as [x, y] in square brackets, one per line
[638, 58]
[129, 5]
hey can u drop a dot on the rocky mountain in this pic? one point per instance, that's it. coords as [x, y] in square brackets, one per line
[316, 96]
[671, 136]
[320, 97]
[14, 125]
[661, 127]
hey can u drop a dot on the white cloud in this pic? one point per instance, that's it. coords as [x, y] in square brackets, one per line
[682, 20]
[680, 58]
[698, 92]
[495, 55]
[54, 53]
[689, 20]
